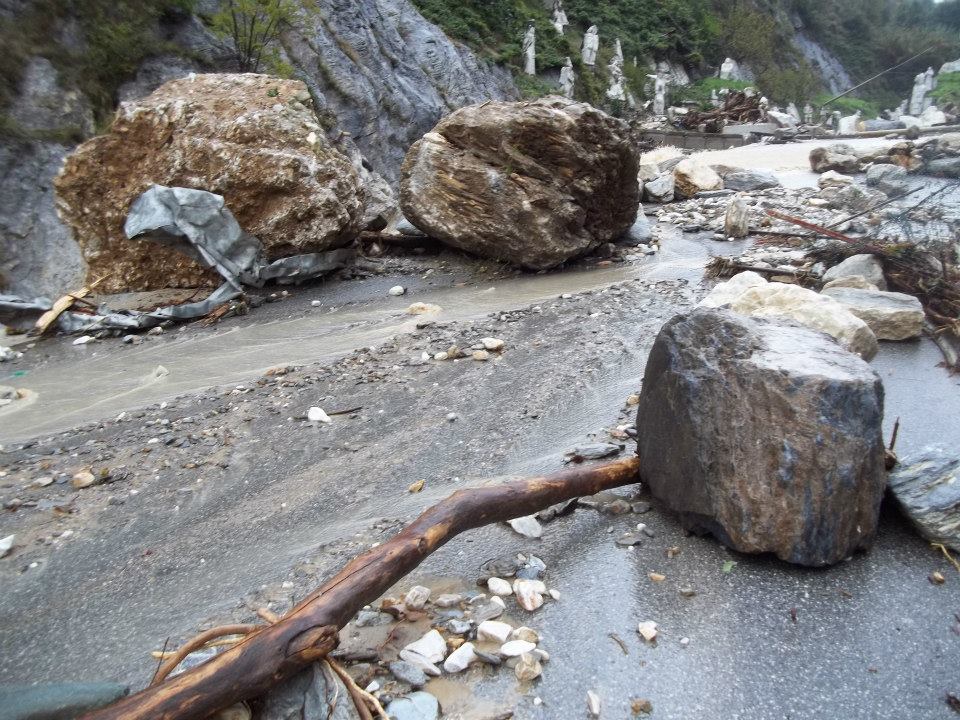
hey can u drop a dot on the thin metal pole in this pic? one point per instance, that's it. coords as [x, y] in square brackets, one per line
[855, 87]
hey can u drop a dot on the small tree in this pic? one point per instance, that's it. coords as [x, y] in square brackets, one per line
[253, 26]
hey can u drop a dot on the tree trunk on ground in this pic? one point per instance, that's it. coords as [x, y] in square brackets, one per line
[309, 631]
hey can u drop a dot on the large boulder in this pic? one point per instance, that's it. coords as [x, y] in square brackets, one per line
[927, 488]
[253, 139]
[865, 265]
[766, 434]
[692, 177]
[890, 315]
[749, 294]
[533, 183]
[890, 179]
[840, 158]
[660, 189]
[750, 180]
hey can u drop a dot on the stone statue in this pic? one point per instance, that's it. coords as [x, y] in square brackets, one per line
[930, 82]
[659, 94]
[714, 98]
[529, 50]
[567, 78]
[591, 43]
[918, 94]
[616, 90]
[808, 114]
[730, 70]
[618, 51]
[559, 16]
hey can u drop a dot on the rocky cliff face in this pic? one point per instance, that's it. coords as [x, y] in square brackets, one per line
[387, 74]
[380, 74]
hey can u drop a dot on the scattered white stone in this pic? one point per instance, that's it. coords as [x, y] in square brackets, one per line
[84, 339]
[593, 703]
[316, 303]
[397, 290]
[492, 344]
[6, 544]
[529, 593]
[316, 415]
[460, 659]
[528, 668]
[448, 600]
[525, 633]
[528, 526]
[516, 648]
[440, 356]
[451, 416]
[426, 652]
[41, 482]
[83, 479]
[499, 586]
[480, 355]
[425, 355]
[555, 594]
[648, 630]
[416, 597]
[684, 641]
[494, 631]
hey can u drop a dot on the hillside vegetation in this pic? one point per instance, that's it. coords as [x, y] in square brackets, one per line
[867, 35]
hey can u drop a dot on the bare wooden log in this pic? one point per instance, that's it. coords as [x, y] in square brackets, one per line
[309, 631]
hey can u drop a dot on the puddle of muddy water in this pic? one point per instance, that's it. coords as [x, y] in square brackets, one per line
[100, 381]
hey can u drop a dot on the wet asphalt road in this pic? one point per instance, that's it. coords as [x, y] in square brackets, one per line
[872, 637]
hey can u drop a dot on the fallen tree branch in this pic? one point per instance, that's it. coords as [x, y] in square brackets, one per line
[196, 643]
[309, 631]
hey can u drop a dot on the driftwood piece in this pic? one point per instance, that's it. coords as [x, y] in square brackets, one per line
[61, 306]
[309, 631]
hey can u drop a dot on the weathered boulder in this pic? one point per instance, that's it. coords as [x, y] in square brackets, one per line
[833, 179]
[691, 177]
[818, 312]
[890, 179]
[750, 180]
[533, 183]
[640, 232]
[927, 488]
[839, 157]
[660, 189]
[647, 172]
[253, 139]
[765, 434]
[890, 315]
[944, 167]
[865, 265]
[726, 292]
[736, 223]
[850, 281]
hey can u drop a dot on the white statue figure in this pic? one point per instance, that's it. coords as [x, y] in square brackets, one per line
[567, 78]
[618, 51]
[529, 50]
[808, 114]
[559, 16]
[930, 82]
[591, 43]
[714, 98]
[793, 112]
[730, 70]
[918, 94]
[616, 90]
[659, 94]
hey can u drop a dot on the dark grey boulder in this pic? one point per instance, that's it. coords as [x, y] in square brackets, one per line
[764, 433]
[750, 180]
[944, 167]
[890, 179]
[927, 488]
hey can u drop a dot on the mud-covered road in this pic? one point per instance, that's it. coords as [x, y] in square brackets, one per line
[224, 499]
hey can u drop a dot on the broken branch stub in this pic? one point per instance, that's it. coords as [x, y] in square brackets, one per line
[309, 631]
